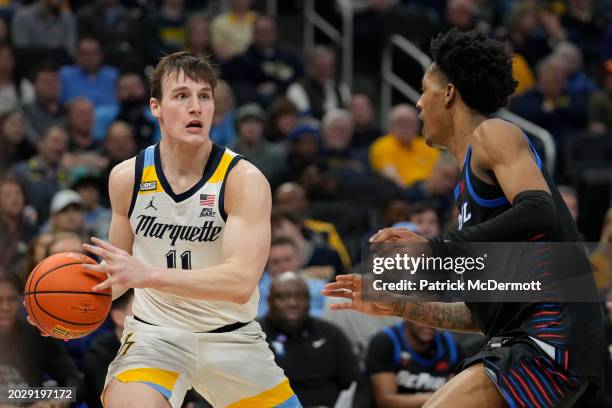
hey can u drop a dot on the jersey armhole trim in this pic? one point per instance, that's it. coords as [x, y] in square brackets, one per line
[137, 179]
[233, 163]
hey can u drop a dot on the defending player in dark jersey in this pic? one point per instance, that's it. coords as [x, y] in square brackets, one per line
[538, 354]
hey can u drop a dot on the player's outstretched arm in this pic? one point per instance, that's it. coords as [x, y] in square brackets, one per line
[447, 316]
[120, 184]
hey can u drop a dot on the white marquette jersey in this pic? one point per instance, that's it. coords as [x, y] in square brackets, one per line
[182, 231]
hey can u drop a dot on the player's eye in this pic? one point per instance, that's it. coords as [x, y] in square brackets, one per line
[205, 96]
[181, 96]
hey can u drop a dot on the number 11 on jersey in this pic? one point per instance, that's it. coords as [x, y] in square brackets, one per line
[184, 256]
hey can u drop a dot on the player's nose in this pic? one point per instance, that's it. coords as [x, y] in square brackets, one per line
[194, 106]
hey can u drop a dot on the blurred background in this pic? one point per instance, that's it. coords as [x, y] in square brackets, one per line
[319, 95]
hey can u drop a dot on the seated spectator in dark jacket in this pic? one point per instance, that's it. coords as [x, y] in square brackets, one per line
[89, 77]
[116, 27]
[28, 359]
[16, 229]
[336, 147]
[288, 224]
[600, 105]
[44, 174]
[133, 108]
[319, 90]
[264, 70]
[268, 157]
[407, 362]
[548, 104]
[164, 30]
[46, 110]
[316, 356]
[366, 131]
[104, 348]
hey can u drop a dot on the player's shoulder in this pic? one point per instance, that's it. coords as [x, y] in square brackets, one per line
[123, 172]
[245, 172]
[495, 137]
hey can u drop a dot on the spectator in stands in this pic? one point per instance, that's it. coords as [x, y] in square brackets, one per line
[570, 198]
[117, 29]
[365, 131]
[44, 174]
[15, 144]
[293, 196]
[232, 32]
[45, 24]
[288, 224]
[525, 33]
[304, 165]
[87, 183]
[89, 77]
[407, 362]
[104, 348]
[164, 30]
[28, 359]
[336, 147]
[266, 156]
[197, 36]
[282, 119]
[133, 108]
[315, 355]
[67, 214]
[46, 110]
[13, 92]
[285, 257]
[578, 83]
[265, 70]
[119, 145]
[319, 91]
[84, 149]
[37, 251]
[4, 31]
[600, 105]
[462, 14]
[585, 26]
[402, 155]
[65, 242]
[548, 105]
[424, 216]
[438, 187]
[223, 129]
[16, 229]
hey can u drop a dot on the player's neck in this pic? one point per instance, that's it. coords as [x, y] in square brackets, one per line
[464, 123]
[180, 160]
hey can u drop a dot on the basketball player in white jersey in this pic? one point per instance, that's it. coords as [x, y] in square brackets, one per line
[190, 231]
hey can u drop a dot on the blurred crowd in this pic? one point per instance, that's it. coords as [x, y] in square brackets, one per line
[74, 102]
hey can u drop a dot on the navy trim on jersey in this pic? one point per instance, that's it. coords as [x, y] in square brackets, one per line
[234, 161]
[137, 179]
[483, 202]
[214, 158]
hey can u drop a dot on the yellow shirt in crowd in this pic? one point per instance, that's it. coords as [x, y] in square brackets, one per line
[413, 163]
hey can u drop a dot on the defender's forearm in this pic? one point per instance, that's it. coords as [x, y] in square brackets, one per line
[448, 316]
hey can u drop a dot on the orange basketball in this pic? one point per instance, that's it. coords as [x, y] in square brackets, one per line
[59, 298]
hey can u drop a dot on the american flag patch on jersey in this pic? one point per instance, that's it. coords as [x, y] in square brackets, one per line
[207, 200]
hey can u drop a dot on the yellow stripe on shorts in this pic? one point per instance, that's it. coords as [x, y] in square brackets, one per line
[270, 398]
[164, 378]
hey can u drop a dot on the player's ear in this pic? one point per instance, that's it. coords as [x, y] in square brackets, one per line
[155, 107]
[449, 93]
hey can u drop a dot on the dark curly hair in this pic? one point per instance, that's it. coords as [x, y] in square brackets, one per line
[480, 68]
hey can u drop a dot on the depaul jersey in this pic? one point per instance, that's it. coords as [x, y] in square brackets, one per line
[182, 231]
[570, 333]
[389, 351]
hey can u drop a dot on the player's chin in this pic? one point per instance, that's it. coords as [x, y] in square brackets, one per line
[193, 138]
